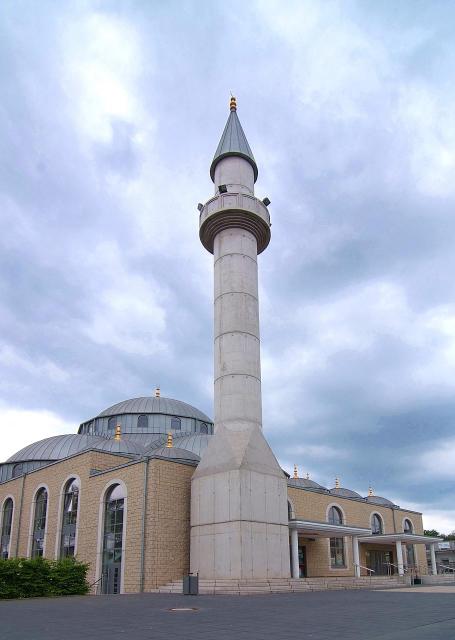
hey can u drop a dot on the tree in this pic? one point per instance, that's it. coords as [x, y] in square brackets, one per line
[432, 533]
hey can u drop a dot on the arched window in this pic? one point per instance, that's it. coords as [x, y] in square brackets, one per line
[407, 526]
[203, 428]
[376, 525]
[290, 510]
[111, 424]
[7, 523]
[176, 424]
[39, 523]
[114, 506]
[335, 516]
[336, 544]
[143, 422]
[69, 519]
[18, 469]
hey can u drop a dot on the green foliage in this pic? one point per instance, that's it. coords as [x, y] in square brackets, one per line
[28, 578]
[432, 533]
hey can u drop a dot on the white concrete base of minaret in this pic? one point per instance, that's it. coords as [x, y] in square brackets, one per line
[239, 509]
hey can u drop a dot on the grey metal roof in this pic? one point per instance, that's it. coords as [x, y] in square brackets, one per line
[233, 143]
[196, 442]
[380, 500]
[175, 453]
[167, 406]
[121, 446]
[305, 483]
[345, 493]
[56, 447]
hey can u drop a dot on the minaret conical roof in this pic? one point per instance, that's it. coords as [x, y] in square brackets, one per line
[233, 143]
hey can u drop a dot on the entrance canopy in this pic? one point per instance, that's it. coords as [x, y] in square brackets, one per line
[325, 530]
[392, 538]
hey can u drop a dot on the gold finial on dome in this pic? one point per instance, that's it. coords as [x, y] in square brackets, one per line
[157, 392]
[370, 492]
[169, 444]
[296, 473]
[337, 483]
[233, 103]
[118, 433]
[307, 475]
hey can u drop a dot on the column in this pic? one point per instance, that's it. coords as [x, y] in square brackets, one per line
[400, 558]
[434, 568]
[356, 556]
[295, 553]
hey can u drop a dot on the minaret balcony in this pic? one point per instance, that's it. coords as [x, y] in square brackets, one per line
[234, 211]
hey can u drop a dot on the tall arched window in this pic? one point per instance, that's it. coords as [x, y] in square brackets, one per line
[408, 526]
[336, 544]
[39, 523]
[111, 424]
[376, 525]
[143, 423]
[69, 519]
[335, 516]
[176, 424]
[203, 428]
[7, 523]
[18, 469]
[114, 507]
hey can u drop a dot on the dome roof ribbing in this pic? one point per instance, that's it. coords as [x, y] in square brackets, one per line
[125, 445]
[196, 443]
[56, 447]
[174, 453]
[166, 406]
[345, 493]
[380, 500]
[305, 483]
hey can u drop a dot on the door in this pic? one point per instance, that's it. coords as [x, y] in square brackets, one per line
[302, 562]
[380, 562]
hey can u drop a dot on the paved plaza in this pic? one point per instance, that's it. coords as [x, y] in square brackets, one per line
[417, 614]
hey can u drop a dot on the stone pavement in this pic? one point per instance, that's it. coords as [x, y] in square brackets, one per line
[399, 614]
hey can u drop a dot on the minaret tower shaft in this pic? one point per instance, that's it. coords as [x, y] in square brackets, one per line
[239, 526]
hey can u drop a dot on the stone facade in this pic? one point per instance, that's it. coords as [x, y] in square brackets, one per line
[156, 541]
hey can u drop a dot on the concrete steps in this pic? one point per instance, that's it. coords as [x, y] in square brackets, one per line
[291, 585]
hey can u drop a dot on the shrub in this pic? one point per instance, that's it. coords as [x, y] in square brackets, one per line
[28, 578]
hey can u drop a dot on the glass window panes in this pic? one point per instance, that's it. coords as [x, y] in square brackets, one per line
[335, 516]
[69, 519]
[111, 424]
[337, 552]
[407, 526]
[39, 523]
[7, 522]
[113, 538]
[376, 524]
[176, 424]
[204, 428]
[143, 422]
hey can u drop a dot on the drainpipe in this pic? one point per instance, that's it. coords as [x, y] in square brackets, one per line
[144, 510]
[19, 523]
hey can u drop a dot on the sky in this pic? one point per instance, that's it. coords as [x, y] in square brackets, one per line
[109, 118]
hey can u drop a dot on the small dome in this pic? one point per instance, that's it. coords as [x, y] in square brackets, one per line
[121, 446]
[145, 405]
[175, 453]
[56, 447]
[305, 483]
[197, 443]
[380, 500]
[345, 493]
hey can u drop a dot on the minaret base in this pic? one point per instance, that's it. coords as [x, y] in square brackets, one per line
[239, 509]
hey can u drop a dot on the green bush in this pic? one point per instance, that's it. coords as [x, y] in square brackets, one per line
[24, 578]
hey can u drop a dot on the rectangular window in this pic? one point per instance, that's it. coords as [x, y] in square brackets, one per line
[337, 552]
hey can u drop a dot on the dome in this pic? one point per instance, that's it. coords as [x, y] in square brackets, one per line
[56, 447]
[175, 453]
[167, 406]
[125, 445]
[196, 443]
[345, 493]
[305, 483]
[380, 500]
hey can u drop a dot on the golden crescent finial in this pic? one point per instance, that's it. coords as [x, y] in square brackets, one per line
[233, 104]
[296, 473]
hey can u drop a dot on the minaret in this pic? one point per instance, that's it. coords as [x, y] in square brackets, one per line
[239, 515]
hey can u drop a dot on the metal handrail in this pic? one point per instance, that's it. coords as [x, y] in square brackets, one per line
[446, 567]
[391, 564]
[366, 569]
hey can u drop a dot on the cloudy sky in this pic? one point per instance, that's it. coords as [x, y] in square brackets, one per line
[109, 117]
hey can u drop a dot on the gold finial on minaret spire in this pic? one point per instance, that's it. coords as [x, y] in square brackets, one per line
[370, 492]
[118, 433]
[296, 473]
[233, 103]
[157, 392]
[337, 483]
[169, 444]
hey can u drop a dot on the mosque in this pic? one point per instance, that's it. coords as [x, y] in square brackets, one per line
[152, 488]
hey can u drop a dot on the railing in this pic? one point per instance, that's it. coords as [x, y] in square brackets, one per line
[390, 572]
[99, 585]
[371, 571]
[445, 568]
